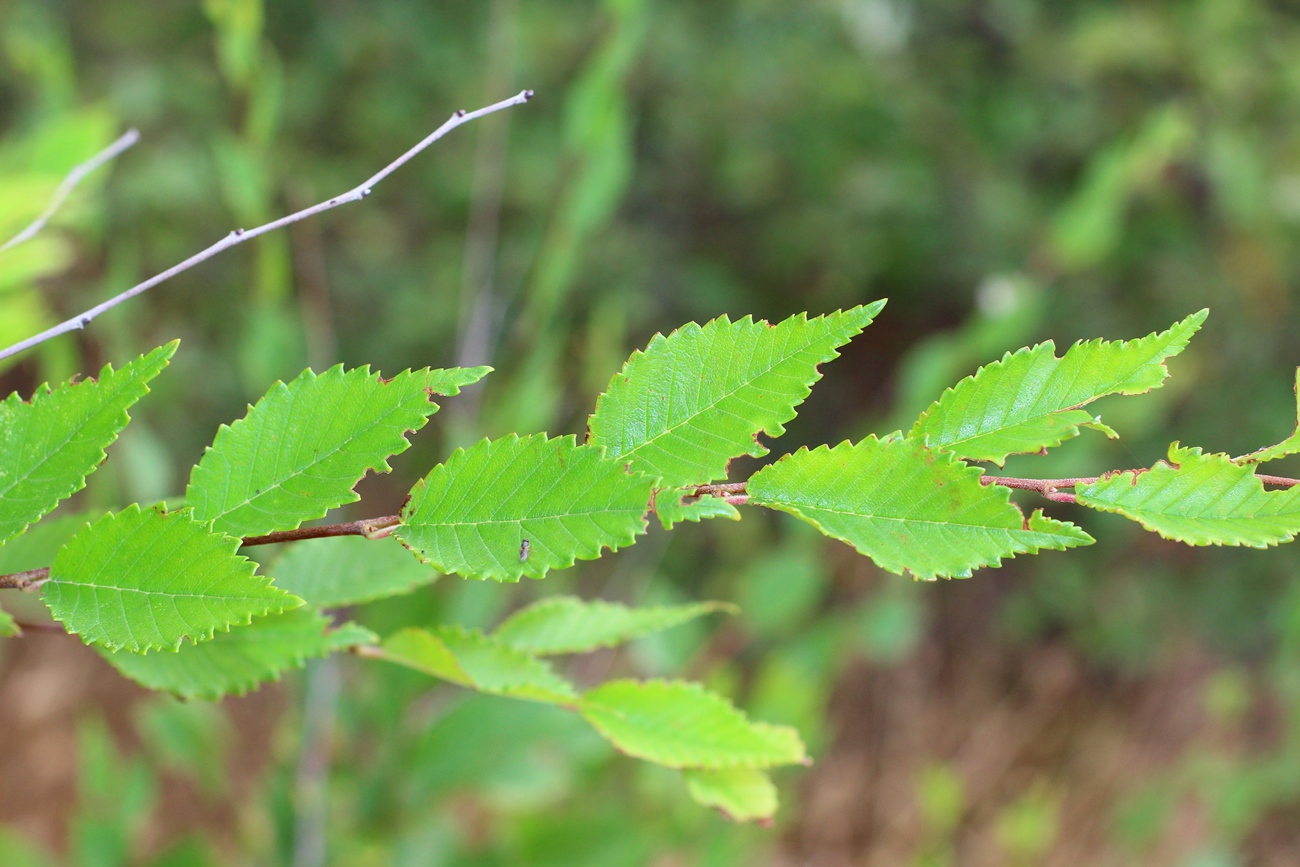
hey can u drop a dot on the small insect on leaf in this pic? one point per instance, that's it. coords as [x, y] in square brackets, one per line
[523, 551]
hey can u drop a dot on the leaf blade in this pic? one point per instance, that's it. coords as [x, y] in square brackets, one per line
[690, 402]
[472, 514]
[49, 445]
[566, 624]
[907, 507]
[740, 794]
[1199, 499]
[302, 448]
[1030, 400]
[242, 659]
[682, 725]
[672, 507]
[349, 570]
[471, 659]
[144, 579]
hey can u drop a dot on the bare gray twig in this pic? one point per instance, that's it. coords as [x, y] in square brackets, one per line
[124, 141]
[238, 236]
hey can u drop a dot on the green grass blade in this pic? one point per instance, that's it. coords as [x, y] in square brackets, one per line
[304, 446]
[238, 661]
[693, 400]
[1030, 400]
[144, 579]
[682, 725]
[907, 507]
[566, 624]
[1200, 499]
[472, 514]
[49, 445]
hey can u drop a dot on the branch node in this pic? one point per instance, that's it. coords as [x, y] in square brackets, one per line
[528, 94]
[460, 112]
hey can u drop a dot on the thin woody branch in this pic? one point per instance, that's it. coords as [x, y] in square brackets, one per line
[1052, 488]
[734, 493]
[239, 236]
[124, 141]
[371, 528]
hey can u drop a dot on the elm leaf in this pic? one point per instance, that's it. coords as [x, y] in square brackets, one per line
[740, 794]
[48, 446]
[238, 661]
[1199, 499]
[907, 507]
[471, 659]
[349, 570]
[473, 514]
[303, 447]
[683, 725]
[1030, 400]
[693, 400]
[145, 579]
[566, 624]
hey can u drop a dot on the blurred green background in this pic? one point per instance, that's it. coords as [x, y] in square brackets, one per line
[1004, 171]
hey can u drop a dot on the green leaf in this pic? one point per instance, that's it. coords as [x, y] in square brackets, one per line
[682, 725]
[50, 445]
[1199, 499]
[672, 507]
[302, 449]
[473, 514]
[235, 662]
[8, 628]
[907, 507]
[1288, 446]
[740, 794]
[471, 659]
[693, 400]
[566, 624]
[349, 570]
[1030, 400]
[146, 579]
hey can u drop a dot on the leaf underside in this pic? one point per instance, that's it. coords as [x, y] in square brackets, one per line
[472, 514]
[49, 445]
[238, 661]
[143, 579]
[682, 725]
[349, 570]
[1200, 499]
[1030, 400]
[566, 624]
[303, 447]
[740, 794]
[692, 401]
[477, 661]
[1288, 446]
[907, 507]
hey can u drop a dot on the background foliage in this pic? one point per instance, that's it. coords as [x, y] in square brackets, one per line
[1004, 171]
